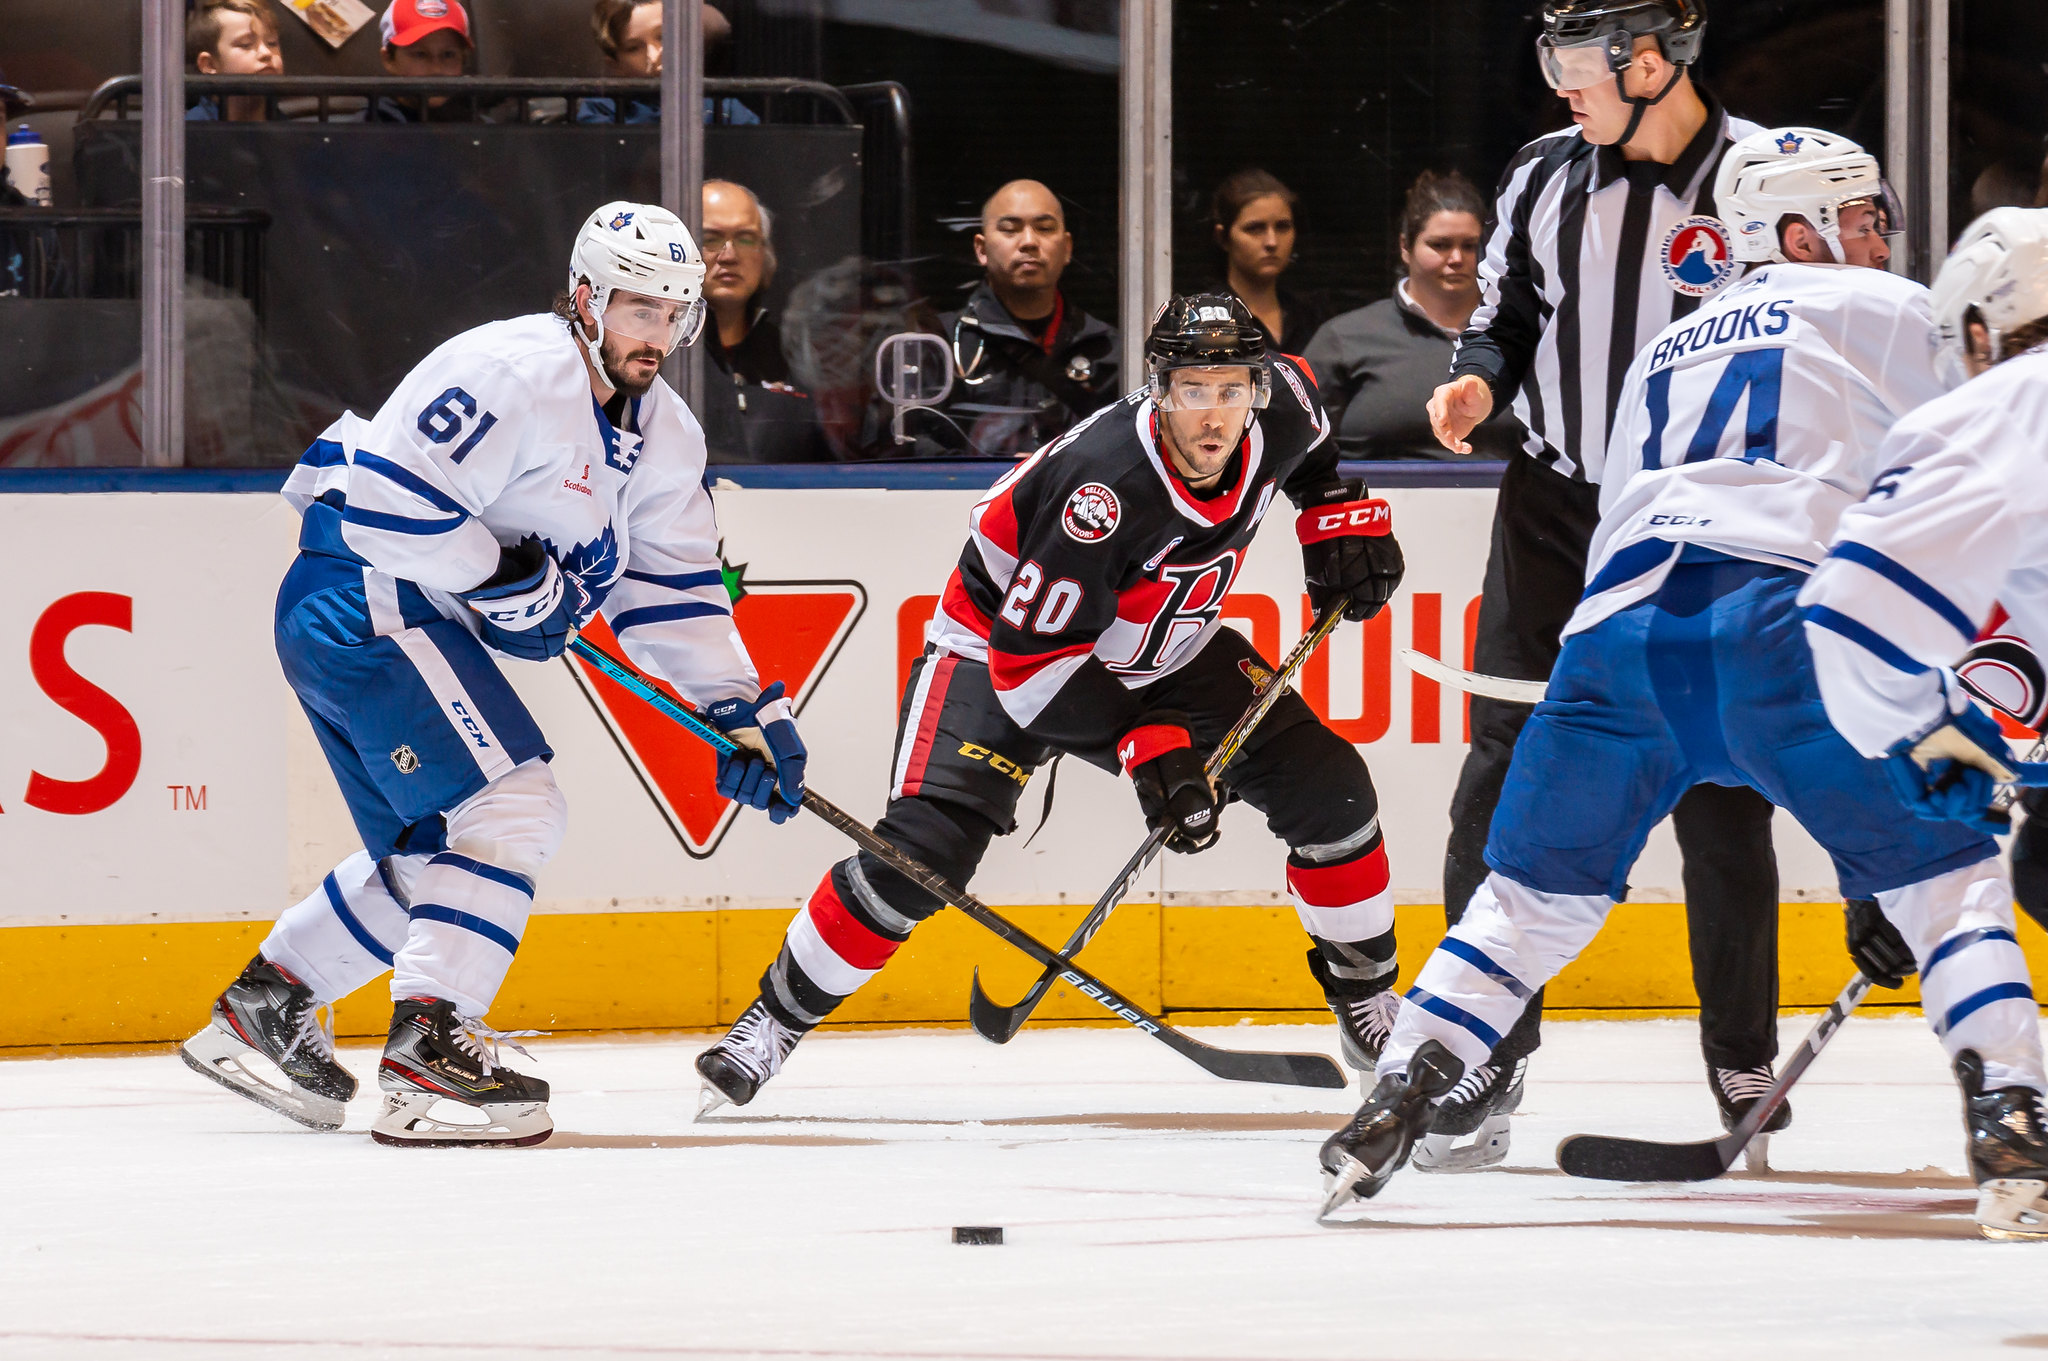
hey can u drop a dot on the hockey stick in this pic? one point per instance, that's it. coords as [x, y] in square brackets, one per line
[998, 1023]
[1472, 682]
[1289, 1070]
[1609, 1159]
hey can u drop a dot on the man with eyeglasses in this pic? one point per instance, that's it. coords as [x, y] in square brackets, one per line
[1604, 233]
[753, 413]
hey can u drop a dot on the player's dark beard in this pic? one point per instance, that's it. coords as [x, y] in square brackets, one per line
[618, 383]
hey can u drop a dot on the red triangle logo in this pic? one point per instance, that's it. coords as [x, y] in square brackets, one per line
[793, 631]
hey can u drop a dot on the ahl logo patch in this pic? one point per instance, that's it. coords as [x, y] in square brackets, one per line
[1790, 143]
[1092, 513]
[1698, 257]
[406, 759]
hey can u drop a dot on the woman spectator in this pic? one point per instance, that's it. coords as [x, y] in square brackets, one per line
[1378, 365]
[1254, 220]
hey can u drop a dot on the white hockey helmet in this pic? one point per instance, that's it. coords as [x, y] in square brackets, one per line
[1999, 271]
[1798, 172]
[644, 249]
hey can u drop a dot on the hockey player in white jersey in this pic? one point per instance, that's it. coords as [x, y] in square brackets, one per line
[1744, 433]
[524, 474]
[1956, 524]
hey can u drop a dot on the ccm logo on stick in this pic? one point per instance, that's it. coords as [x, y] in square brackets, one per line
[1353, 517]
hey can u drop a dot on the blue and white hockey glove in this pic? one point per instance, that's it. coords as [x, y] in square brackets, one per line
[1952, 773]
[529, 606]
[767, 770]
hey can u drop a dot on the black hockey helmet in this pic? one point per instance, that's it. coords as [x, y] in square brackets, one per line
[1206, 330]
[1677, 25]
[1584, 40]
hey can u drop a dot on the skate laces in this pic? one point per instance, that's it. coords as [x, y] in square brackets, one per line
[1744, 1084]
[759, 1042]
[1472, 1086]
[310, 1032]
[474, 1037]
[1375, 1015]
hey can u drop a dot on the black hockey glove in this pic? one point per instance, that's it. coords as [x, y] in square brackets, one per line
[1172, 790]
[1876, 945]
[1349, 553]
[530, 607]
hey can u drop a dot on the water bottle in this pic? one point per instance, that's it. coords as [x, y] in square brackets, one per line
[28, 165]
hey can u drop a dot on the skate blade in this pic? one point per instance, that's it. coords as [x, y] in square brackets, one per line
[409, 1120]
[215, 1054]
[709, 1099]
[1340, 1188]
[2013, 1210]
[1487, 1147]
[1756, 1156]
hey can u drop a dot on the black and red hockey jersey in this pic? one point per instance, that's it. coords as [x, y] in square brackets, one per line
[1092, 569]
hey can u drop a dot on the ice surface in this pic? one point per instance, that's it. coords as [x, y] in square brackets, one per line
[1150, 1212]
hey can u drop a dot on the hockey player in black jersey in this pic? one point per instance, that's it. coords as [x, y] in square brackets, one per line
[1084, 618]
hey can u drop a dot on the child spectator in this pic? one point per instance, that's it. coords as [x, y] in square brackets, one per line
[233, 38]
[629, 35]
[424, 39]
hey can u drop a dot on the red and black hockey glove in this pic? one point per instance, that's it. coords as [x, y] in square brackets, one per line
[1349, 553]
[1160, 758]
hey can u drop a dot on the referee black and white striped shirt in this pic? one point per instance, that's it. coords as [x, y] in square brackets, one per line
[1574, 281]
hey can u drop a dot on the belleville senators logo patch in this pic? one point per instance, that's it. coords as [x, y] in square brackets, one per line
[793, 630]
[1091, 514]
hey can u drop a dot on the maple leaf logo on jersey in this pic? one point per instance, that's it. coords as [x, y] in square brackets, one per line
[793, 630]
[594, 564]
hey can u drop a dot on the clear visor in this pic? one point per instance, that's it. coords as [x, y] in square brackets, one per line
[1576, 67]
[1889, 221]
[653, 321]
[1211, 389]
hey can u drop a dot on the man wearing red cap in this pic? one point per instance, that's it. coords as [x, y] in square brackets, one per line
[424, 38]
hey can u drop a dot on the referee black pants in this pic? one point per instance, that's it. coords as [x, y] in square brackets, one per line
[1535, 571]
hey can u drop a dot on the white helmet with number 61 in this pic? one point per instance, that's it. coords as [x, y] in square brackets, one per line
[1997, 274]
[1797, 172]
[646, 250]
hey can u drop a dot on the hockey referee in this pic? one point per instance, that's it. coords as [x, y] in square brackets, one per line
[1603, 234]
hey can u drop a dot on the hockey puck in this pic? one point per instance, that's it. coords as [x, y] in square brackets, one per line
[978, 1234]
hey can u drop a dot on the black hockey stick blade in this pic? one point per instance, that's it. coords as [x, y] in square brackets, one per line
[1606, 1158]
[997, 1023]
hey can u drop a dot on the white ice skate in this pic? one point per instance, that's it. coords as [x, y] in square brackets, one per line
[1470, 1129]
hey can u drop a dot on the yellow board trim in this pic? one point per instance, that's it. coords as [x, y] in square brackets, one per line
[72, 985]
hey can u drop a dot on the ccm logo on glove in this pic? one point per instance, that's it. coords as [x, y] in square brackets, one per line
[1352, 517]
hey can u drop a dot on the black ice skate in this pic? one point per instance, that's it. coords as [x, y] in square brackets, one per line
[739, 1065]
[1364, 1021]
[1735, 1091]
[1470, 1129]
[268, 1015]
[443, 1087]
[2008, 1147]
[1359, 1158]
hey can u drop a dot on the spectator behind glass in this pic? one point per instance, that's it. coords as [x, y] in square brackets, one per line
[233, 38]
[629, 34]
[1377, 366]
[1254, 221]
[756, 415]
[1030, 363]
[424, 39]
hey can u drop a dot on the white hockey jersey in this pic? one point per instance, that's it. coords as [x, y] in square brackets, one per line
[495, 436]
[1751, 425]
[1955, 524]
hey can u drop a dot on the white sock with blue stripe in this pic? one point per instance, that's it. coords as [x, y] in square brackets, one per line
[1973, 976]
[467, 919]
[343, 934]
